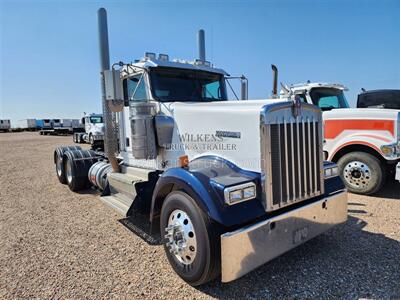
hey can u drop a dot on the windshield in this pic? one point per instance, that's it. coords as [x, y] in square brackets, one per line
[328, 98]
[170, 85]
[381, 99]
[96, 119]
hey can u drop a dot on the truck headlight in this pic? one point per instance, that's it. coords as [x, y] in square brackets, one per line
[391, 150]
[331, 171]
[239, 193]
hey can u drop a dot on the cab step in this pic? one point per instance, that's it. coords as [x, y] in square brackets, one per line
[117, 203]
[122, 188]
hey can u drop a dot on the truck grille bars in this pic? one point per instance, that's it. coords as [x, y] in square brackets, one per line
[291, 148]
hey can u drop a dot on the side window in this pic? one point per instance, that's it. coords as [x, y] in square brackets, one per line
[329, 102]
[135, 88]
[212, 90]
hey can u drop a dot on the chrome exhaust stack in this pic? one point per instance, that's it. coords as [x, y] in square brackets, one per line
[274, 81]
[110, 138]
[202, 45]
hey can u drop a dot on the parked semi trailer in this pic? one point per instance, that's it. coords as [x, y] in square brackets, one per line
[364, 142]
[39, 124]
[93, 133]
[229, 185]
[26, 124]
[61, 126]
[5, 125]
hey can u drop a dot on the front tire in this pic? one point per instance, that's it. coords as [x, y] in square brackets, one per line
[362, 173]
[192, 243]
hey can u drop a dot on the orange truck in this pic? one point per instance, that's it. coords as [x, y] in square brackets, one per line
[364, 142]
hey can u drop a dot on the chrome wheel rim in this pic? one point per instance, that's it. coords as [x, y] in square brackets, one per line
[357, 174]
[68, 172]
[59, 166]
[181, 237]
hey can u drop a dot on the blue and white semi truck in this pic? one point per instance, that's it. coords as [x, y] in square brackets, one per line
[229, 185]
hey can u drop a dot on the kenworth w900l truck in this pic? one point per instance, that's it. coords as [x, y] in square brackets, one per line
[229, 185]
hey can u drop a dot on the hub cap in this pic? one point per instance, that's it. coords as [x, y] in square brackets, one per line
[181, 238]
[357, 174]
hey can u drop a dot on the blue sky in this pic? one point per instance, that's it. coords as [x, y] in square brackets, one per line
[49, 64]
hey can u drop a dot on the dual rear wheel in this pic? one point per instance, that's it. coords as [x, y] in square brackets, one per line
[72, 166]
[58, 160]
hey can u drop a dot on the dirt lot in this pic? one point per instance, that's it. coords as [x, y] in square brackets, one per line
[58, 244]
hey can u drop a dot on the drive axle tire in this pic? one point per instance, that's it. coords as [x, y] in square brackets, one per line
[58, 160]
[362, 173]
[192, 242]
[91, 140]
[78, 138]
[76, 166]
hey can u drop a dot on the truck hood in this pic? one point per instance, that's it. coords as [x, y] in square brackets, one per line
[230, 129]
[362, 113]
[375, 126]
[222, 105]
[98, 128]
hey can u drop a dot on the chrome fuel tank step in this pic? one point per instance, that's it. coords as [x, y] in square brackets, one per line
[118, 203]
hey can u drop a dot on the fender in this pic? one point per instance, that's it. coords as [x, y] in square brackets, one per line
[204, 180]
[355, 143]
[372, 133]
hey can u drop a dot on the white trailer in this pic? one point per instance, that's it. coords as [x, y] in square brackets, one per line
[26, 124]
[5, 125]
[66, 123]
[61, 126]
[229, 185]
[77, 125]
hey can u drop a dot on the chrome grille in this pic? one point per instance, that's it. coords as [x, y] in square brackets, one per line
[291, 155]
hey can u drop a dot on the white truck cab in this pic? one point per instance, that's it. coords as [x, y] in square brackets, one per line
[94, 131]
[364, 142]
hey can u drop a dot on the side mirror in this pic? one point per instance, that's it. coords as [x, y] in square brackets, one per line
[83, 121]
[114, 90]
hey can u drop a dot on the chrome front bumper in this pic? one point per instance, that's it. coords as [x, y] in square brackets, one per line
[398, 172]
[249, 247]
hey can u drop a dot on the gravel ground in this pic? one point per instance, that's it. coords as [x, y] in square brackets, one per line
[59, 244]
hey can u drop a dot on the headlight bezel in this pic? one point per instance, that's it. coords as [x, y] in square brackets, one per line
[331, 170]
[239, 189]
[391, 150]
